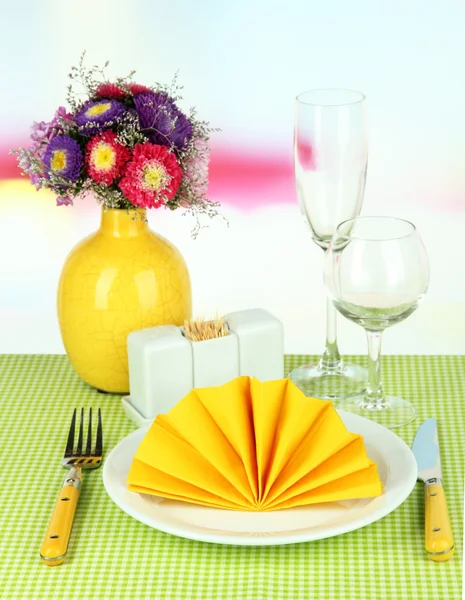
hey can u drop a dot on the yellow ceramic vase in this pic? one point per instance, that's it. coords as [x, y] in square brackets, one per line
[121, 278]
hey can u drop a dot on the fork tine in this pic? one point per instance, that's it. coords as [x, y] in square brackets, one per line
[99, 441]
[81, 434]
[70, 442]
[89, 435]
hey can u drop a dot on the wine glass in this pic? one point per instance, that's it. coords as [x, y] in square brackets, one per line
[330, 160]
[376, 273]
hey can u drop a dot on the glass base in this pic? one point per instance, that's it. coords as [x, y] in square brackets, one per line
[342, 383]
[394, 412]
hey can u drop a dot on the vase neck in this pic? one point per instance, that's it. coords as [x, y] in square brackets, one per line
[122, 223]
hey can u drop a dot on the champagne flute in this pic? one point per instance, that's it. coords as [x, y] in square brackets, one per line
[330, 159]
[376, 273]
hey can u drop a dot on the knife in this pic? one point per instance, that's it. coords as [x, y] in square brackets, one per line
[439, 542]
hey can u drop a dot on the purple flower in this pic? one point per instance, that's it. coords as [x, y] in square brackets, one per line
[63, 157]
[43, 132]
[25, 164]
[64, 201]
[162, 121]
[96, 116]
[62, 113]
[34, 179]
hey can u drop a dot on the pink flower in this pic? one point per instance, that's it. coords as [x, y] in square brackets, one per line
[105, 157]
[152, 177]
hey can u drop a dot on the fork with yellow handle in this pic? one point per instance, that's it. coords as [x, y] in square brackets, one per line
[55, 544]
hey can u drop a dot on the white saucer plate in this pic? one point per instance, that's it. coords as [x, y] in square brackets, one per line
[396, 465]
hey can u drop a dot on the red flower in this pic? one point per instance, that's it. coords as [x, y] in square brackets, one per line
[105, 157]
[152, 176]
[110, 90]
[137, 88]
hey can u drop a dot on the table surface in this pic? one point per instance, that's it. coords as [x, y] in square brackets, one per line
[112, 556]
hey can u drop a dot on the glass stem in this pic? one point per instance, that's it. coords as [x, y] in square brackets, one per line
[331, 359]
[374, 395]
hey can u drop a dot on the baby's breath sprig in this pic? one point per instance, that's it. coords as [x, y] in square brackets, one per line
[197, 211]
[173, 89]
[129, 134]
[89, 78]
[110, 197]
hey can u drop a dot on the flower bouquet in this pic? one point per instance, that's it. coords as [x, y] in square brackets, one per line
[132, 148]
[128, 144]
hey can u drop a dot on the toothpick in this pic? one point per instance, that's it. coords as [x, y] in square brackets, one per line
[198, 329]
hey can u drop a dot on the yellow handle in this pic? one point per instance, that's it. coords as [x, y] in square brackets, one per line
[55, 543]
[439, 542]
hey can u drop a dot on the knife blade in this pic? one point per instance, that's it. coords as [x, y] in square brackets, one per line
[439, 542]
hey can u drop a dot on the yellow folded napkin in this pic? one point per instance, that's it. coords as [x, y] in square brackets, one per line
[252, 445]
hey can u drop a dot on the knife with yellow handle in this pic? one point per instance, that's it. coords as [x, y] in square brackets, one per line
[439, 542]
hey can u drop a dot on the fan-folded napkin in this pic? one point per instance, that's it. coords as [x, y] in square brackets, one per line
[252, 445]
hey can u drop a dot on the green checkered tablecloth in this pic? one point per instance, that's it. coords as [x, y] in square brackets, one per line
[112, 556]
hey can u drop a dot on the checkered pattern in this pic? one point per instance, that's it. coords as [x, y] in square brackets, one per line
[112, 556]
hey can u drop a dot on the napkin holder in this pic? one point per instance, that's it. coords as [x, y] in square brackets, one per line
[164, 365]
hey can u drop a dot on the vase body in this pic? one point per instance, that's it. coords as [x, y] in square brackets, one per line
[122, 278]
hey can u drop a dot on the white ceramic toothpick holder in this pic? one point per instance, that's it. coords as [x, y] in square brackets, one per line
[164, 365]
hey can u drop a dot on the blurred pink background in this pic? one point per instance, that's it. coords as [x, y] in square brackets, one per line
[242, 66]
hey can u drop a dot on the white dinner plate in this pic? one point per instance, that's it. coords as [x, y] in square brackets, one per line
[396, 465]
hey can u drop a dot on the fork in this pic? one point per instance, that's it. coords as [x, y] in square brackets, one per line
[55, 544]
